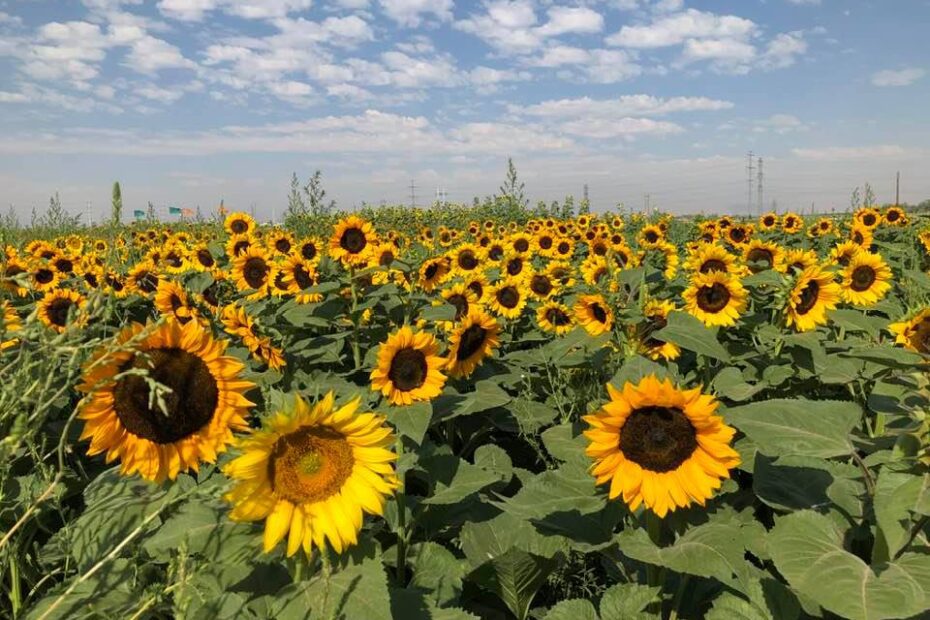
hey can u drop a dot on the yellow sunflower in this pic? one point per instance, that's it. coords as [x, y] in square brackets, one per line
[350, 240]
[13, 269]
[239, 223]
[433, 272]
[895, 216]
[708, 257]
[594, 314]
[866, 279]
[715, 298]
[9, 323]
[541, 285]
[914, 333]
[252, 272]
[762, 255]
[409, 367]
[143, 278]
[769, 221]
[507, 298]
[171, 301]
[868, 217]
[44, 277]
[861, 235]
[311, 473]
[57, 305]
[299, 274]
[555, 318]
[238, 244]
[280, 242]
[655, 313]
[843, 252]
[594, 269]
[813, 294]
[181, 428]
[660, 446]
[474, 338]
[467, 258]
[460, 296]
[797, 260]
[792, 223]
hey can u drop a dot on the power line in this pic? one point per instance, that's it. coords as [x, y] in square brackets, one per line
[749, 170]
[897, 188]
[413, 194]
[759, 189]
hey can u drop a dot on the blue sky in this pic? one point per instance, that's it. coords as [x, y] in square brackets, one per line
[190, 101]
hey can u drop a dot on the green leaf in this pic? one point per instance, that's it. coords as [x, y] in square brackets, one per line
[515, 577]
[573, 609]
[442, 312]
[205, 528]
[530, 415]
[627, 600]
[807, 550]
[798, 482]
[690, 333]
[438, 571]
[709, 550]
[410, 604]
[857, 321]
[729, 384]
[803, 427]
[494, 458]
[897, 496]
[565, 444]
[765, 600]
[353, 592]
[106, 594]
[485, 540]
[487, 395]
[456, 478]
[412, 420]
[568, 489]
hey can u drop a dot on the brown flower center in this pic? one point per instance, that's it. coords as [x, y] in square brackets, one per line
[508, 297]
[713, 298]
[808, 298]
[869, 219]
[652, 325]
[863, 277]
[310, 464]
[205, 258]
[470, 342]
[545, 242]
[57, 311]
[353, 241]
[514, 266]
[760, 255]
[461, 305]
[467, 260]
[540, 285]
[308, 250]
[282, 245]
[658, 438]
[521, 245]
[44, 276]
[557, 317]
[189, 406]
[255, 272]
[408, 369]
[600, 315]
[239, 226]
[713, 264]
[475, 287]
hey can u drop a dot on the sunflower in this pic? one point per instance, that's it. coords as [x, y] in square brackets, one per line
[797, 260]
[478, 284]
[844, 252]
[43, 277]
[239, 224]
[252, 272]
[433, 272]
[650, 236]
[792, 223]
[143, 278]
[311, 473]
[175, 259]
[914, 333]
[868, 217]
[861, 235]
[544, 242]
[659, 446]
[594, 269]
[161, 437]
[655, 314]
[460, 296]
[738, 234]
[715, 298]
[57, 305]
[299, 274]
[237, 322]
[564, 249]
[9, 322]
[895, 216]
[171, 301]
[11, 270]
[201, 258]
[409, 367]
[507, 298]
[670, 257]
[280, 242]
[813, 294]
[541, 285]
[594, 314]
[762, 255]
[474, 338]
[520, 243]
[561, 272]
[515, 265]
[866, 279]
[350, 240]
[710, 257]
[310, 249]
[236, 245]
[768, 222]
[555, 318]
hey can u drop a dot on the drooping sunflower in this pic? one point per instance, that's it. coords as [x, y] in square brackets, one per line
[14, 268]
[57, 306]
[660, 446]
[474, 338]
[409, 367]
[866, 279]
[205, 404]
[797, 260]
[594, 314]
[350, 240]
[762, 255]
[252, 272]
[9, 324]
[715, 298]
[914, 333]
[311, 473]
[813, 294]
[507, 298]
[655, 314]
[239, 223]
[555, 318]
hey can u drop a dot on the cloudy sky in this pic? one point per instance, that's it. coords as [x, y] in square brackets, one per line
[190, 101]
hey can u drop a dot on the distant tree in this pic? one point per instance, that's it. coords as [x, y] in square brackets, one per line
[316, 195]
[57, 217]
[513, 188]
[198, 216]
[116, 215]
[855, 201]
[869, 196]
[295, 200]
[10, 220]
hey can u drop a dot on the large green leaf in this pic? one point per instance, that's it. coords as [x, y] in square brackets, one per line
[798, 482]
[808, 551]
[412, 420]
[203, 527]
[569, 489]
[566, 443]
[572, 609]
[803, 427]
[765, 599]
[438, 572]
[690, 333]
[487, 395]
[106, 594]
[515, 577]
[626, 601]
[485, 540]
[456, 478]
[897, 496]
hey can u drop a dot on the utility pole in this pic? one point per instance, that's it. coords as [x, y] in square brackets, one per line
[759, 197]
[897, 188]
[646, 200]
[586, 192]
[413, 194]
[749, 170]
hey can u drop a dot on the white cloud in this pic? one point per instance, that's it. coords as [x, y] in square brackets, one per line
[783, 50]
[159, 94]
[194, 10]
[602, 128]
[559, 55]
[627, 105]
[506, 25]
[897, 77]
[675, 29]
[8, 97]
[186, 10]
[564, 20]
[780, 124]
[844, 153]
[150, 54]
[410, 13]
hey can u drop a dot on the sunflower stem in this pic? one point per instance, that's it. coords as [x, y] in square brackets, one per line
[654, 574]
[679, 595]
[356, 352]
[401, 523]
[15, 586]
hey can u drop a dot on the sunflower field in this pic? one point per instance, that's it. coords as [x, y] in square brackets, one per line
[451, 415]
